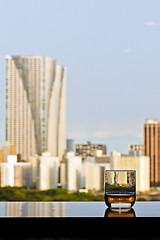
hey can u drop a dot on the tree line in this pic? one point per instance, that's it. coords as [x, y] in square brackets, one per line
[59, 194]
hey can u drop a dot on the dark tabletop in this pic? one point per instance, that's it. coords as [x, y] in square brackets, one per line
[78, 219]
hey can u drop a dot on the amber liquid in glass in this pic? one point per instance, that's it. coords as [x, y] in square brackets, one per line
[119, 198]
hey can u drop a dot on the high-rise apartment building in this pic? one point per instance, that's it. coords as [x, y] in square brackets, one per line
[48, 172]
[15, 173]
[73, 172]
[35, 105]
[136, 149]
[138, 163]
[90, 150]
[152, 148]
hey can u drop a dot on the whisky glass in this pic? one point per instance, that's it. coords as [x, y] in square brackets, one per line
[120, 188]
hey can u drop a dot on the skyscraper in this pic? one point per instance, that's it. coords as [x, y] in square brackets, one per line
[70, 145]
[35, 105]
[152, 148]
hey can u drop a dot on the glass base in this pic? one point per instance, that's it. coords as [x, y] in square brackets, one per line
[123, 206]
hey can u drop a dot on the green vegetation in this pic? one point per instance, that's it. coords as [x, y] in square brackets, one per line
[141, 199]
[118, 188]
[58, 194]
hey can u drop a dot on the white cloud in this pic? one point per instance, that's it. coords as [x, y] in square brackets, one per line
[108, 131]
[100, 134]
[105, 131]
[127, 50]
[80, 134]
[150, 24]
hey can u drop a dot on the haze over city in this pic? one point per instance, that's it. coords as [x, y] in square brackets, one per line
[111, 51]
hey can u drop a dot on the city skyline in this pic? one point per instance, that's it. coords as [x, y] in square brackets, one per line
[111, 51]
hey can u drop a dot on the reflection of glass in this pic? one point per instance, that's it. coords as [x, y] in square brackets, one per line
[120, 188]
[128, 213]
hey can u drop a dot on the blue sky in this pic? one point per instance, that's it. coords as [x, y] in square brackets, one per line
[112, 53]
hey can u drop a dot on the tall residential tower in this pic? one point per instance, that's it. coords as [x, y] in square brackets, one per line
[35, 105]
[152, 148]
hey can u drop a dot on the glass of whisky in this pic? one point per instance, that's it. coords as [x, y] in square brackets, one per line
[120, 188]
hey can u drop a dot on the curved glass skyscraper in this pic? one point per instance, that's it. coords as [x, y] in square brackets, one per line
[35, 105]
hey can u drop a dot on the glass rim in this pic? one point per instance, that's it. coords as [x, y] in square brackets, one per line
[120, 170]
